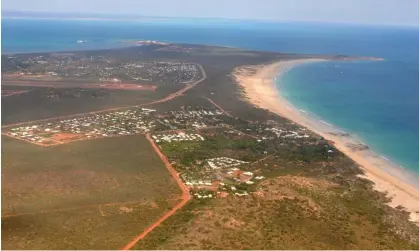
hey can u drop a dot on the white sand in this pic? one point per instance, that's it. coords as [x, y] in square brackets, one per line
[258, 84]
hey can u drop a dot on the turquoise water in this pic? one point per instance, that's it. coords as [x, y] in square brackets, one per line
[376, 101]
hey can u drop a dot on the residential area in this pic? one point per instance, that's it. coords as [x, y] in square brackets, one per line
[62, 66]
[136, 120]
[131, 121]
[181, 136]
[216, 155]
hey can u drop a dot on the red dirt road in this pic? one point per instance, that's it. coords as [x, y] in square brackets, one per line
[185, 197]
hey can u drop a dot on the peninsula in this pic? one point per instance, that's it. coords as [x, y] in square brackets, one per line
[179, 146]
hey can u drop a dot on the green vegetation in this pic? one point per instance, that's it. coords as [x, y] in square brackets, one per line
[289, 212]
[79, 229]
[188, 153]
[105, 192]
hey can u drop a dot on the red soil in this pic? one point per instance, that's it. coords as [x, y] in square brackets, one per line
[64, 136]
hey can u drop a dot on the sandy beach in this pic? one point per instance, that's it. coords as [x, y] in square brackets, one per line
[259, 87]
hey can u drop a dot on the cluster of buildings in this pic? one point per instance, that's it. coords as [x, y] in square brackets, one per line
[225, 177]
[123, 122]
[102, 68]
[145, 42]
[181, 136]
[198, 125]
[224, 162]
[221, 174]
[194, 113]
[132, 121]
[196, 119]
[177, 73]
[234, 191]
[198, 183]
[26, 133]
[203, 196]
[240, 194]
[286, 134]
[217, 178]
[176, 48]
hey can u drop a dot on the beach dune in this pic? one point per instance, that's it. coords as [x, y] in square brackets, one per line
[258, 83]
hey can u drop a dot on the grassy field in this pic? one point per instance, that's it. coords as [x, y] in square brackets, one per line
[34, 105]
[89, 194]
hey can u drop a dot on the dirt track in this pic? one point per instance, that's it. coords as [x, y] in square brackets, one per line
[185, 196]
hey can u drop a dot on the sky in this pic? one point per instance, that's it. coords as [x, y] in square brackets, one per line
[385, 12]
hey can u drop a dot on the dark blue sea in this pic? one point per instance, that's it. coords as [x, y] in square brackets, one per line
[376, 101]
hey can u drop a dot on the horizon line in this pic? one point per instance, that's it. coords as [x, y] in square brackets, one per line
[139, 17]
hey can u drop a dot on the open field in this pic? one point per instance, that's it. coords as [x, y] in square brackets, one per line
[44, 103]
[88, 194]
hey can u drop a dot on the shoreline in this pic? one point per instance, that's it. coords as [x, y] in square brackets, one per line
[260, 90]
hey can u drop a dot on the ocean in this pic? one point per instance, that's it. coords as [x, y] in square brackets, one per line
[376, 101]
